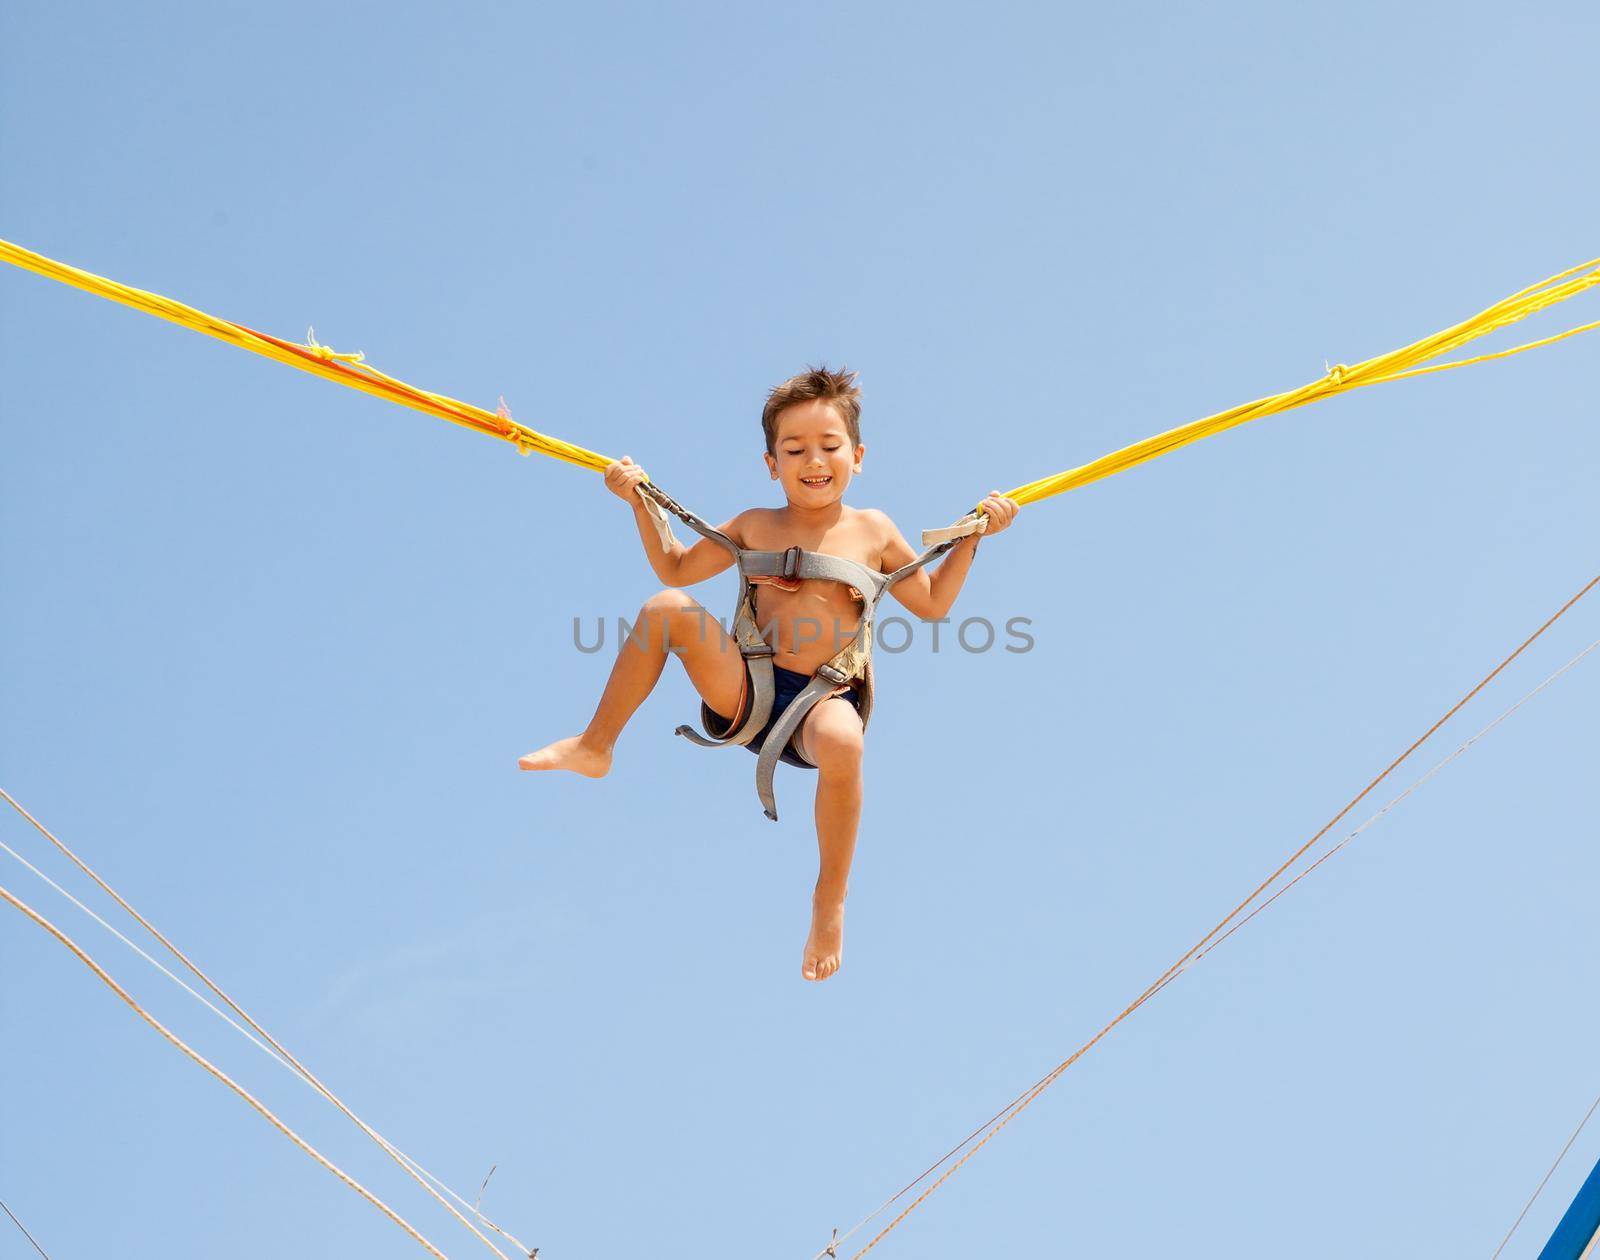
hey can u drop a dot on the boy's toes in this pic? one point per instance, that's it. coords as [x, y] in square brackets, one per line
[820, 968]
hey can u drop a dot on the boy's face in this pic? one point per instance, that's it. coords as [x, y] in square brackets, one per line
[815, 460]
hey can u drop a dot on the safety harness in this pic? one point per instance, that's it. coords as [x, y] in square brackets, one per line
[851, 664]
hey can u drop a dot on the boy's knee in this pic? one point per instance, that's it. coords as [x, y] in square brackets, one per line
[667, 603]
[836, 745]
[674, 618]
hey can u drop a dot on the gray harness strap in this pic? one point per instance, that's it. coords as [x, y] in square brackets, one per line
[827, 679]
[757, 653]
[795, 563]
[822, 685]
[758, 667]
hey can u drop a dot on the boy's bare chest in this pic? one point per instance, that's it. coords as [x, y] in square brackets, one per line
[782, 599]
[856, 542]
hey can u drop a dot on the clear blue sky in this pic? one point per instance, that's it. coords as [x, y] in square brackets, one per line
[271, 648]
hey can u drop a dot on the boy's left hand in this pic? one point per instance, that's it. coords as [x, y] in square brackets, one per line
[1000, 510]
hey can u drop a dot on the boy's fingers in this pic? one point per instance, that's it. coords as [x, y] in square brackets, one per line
[1000, 510]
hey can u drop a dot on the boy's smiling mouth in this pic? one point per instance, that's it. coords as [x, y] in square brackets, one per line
[815, 482]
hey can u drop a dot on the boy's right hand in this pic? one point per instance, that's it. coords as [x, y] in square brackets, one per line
[621, 478]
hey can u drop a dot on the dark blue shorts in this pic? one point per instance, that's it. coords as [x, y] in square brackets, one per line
[786, 685]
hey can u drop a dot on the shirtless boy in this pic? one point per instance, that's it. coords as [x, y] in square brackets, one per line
[813, 437]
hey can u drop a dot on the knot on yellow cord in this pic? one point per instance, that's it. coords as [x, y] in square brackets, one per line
[513, 433]
[328, 354]
[1337, 373]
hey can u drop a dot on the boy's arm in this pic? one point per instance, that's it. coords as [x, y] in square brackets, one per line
[673, 563]
[930, 593]
[682, 565]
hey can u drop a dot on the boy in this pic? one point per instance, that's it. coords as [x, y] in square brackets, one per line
[812, 425]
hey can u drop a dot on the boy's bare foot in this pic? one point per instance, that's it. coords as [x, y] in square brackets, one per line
[825, 944]
[569, 754]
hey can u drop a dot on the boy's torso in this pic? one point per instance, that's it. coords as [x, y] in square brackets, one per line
[810, 624]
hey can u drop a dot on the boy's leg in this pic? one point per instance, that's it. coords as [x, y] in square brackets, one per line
[832, 737]
[670, 621]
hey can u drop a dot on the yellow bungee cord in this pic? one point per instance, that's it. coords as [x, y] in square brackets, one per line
[1415, 359]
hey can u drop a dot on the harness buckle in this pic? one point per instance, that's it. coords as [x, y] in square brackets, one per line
[759, 649]
[791, 562]
[836, 676]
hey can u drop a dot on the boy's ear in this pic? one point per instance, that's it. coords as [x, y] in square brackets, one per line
[772, 464]
[860, 451]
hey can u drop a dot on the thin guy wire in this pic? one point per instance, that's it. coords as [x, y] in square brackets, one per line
[417, 1173]
[276, 1057]
[24, 1230]
[1337, 848]
[1540, 1190]
[287, 1064]
[1391, 804]
[255, 1103]
[155, 962]
[1026, 1098]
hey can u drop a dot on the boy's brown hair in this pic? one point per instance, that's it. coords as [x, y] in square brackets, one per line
[838, 388]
